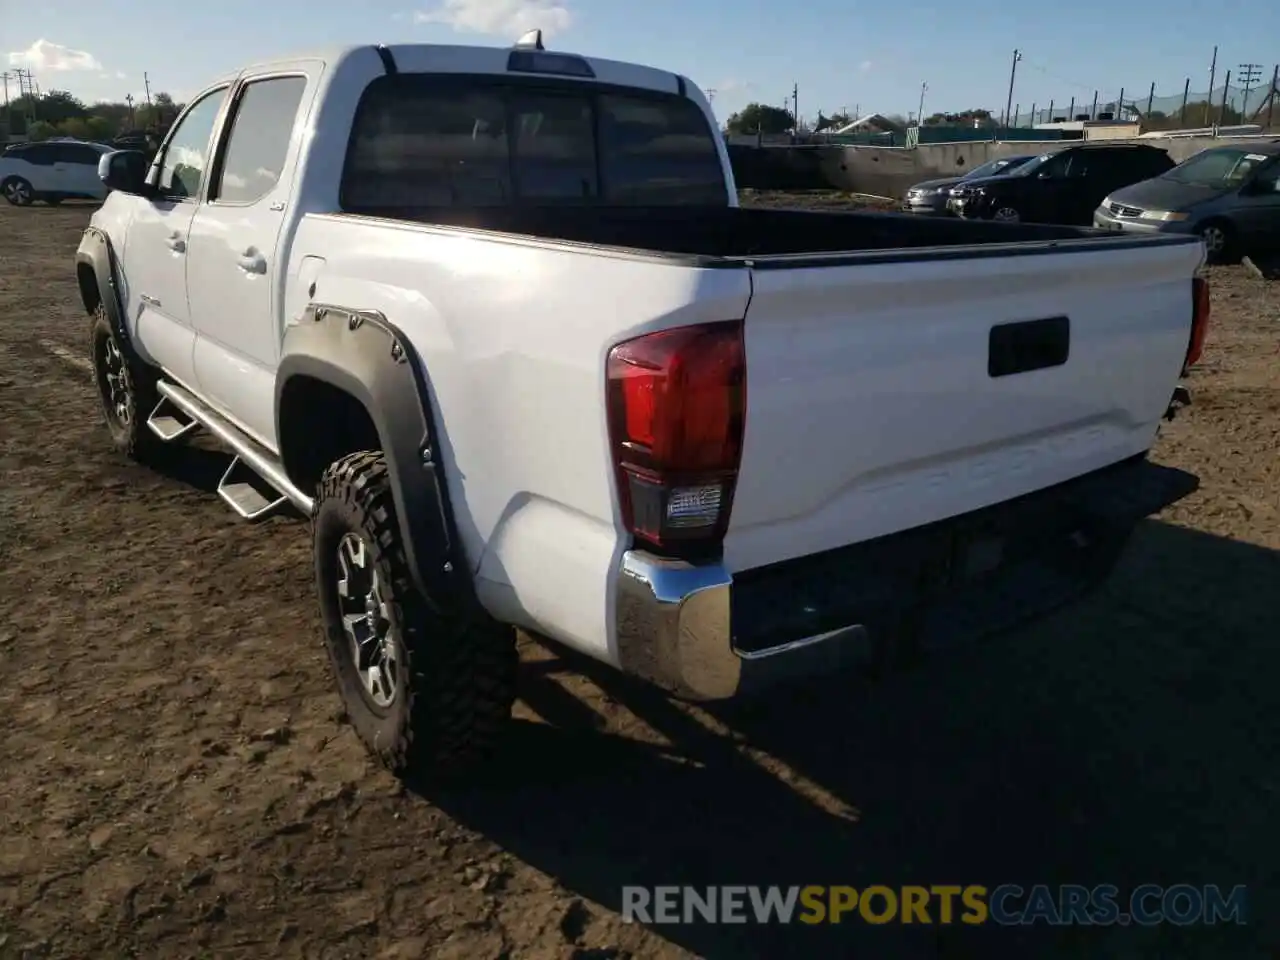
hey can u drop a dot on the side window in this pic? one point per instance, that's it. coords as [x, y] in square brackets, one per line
[254, 155]
[40, 155]
[658, 152]
[80, 154]
[1056, 167]
[1269, 180]
[186, 155]
[555, 147]
[1079, 162]
[428, 145]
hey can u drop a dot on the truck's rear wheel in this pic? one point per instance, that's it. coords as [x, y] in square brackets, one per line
[422, 690]
[127, 388]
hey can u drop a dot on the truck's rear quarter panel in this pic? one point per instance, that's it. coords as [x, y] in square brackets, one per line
[870, 406]
[514, 337]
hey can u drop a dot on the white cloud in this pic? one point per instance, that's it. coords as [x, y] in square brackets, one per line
[506, 18]
[43, 55]
[865, 66]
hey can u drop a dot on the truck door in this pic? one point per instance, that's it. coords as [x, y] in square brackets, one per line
[236, 273]
[155, 254]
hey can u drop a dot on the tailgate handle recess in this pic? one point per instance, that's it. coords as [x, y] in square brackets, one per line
[1028, 345]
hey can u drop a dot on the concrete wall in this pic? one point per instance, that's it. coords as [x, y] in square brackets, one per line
[888, 171]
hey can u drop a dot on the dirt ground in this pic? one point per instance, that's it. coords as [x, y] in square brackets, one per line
[176, 781]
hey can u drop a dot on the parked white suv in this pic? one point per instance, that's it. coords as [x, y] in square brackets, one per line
[52, 171]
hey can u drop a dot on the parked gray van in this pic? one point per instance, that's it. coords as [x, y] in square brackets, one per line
[1228, 195]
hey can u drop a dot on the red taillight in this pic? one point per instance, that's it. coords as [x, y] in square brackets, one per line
[677, 402]
[1199, 320]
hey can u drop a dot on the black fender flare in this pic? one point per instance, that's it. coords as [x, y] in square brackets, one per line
[364, 355]
[95, 252]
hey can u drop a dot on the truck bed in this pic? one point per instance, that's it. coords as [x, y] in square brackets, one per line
[737, 232]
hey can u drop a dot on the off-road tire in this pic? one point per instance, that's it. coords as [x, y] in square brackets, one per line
[130, 435]
[455, 678]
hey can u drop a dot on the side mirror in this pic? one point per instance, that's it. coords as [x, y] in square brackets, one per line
[126, 171]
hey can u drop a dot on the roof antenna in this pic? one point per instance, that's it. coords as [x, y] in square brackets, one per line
[531, 40]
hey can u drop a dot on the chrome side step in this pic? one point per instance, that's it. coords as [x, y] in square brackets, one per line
[248, 494]
[251, 500]
[169, 423]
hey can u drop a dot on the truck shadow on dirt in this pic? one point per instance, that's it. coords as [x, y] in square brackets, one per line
[1130, 739]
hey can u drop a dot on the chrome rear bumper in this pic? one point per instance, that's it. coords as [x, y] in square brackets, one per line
[955, 579]
[674, 628]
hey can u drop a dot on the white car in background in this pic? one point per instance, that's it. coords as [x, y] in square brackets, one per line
[52, 171]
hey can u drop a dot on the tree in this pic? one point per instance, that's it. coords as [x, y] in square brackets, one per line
[99, 128]
[761, 118]
[41, 130]
[965, 118]
[58, 106]
[75, 127]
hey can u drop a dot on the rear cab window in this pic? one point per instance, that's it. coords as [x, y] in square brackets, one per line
[454, 141]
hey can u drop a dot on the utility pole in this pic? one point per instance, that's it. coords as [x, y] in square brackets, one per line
[1222, 111]
[146, 85]
[1275, 92]
[1013, 72]
[1249, 74]
[920, 112]
[1186, 92]
[1208, 100]
[128, 98]
[795, 105]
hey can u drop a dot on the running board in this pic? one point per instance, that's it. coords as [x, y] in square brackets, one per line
[248, 494]
[252, 501]
[169, 423]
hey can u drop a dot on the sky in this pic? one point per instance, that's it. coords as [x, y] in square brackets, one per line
[843, 56]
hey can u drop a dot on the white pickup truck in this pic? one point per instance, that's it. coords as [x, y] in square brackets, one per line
[494, 321]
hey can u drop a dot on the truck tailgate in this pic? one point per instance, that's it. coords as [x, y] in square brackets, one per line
[885, 394]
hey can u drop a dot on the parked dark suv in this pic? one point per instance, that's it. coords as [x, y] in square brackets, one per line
[1062, 187]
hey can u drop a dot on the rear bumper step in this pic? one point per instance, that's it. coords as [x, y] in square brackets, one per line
[701, 633]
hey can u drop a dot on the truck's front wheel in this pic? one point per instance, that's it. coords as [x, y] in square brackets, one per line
[127, 388]
[422, 690]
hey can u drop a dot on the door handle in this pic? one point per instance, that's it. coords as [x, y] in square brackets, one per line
[251, 261]
[176, 243]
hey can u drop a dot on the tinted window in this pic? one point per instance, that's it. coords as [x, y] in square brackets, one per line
[41, 154]
[254, 154]
[187, 153]
[428, 142]
[428, 148]
[555, 146]
[658, 152]
[78, 153]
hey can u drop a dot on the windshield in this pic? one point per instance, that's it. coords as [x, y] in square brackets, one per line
[996, 168]
[1219, 167]
[1035, 163]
